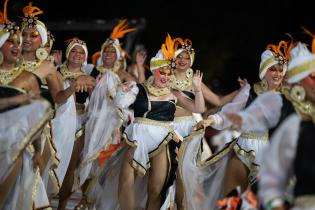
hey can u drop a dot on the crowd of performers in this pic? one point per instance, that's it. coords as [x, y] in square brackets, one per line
[130, 141]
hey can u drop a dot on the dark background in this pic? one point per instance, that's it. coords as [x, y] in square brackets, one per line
[228, 36]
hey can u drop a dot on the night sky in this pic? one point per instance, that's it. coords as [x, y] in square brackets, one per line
[228, 36]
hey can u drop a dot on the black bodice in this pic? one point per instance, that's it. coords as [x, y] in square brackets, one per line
[7, 91]
[154, 110]
[191, 95]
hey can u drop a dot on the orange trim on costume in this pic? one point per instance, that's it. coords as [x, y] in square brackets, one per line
[106, 154]
[252, 199]
[229, 203]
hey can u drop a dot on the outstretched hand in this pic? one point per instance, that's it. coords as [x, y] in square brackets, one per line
[197, 80]
[235, 119]
[242, 82]
[203, 124]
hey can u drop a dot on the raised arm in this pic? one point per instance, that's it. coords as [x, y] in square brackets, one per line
[216, 100]
[198, 105]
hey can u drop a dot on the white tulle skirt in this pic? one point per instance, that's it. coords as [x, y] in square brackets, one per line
[148, 137]
[184, 125]
[18, 128]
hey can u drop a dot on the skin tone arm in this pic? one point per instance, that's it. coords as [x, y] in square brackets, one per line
[214, 99]
[59, 95]
[140, 59]
[15, 100]
[198, 105]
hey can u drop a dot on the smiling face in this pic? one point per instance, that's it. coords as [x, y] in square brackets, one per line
[308, 84]
[162, 77]
[274, 76]
[109, 56]
[11, 49]
[77, 55]
[183, 61]
[31, 40]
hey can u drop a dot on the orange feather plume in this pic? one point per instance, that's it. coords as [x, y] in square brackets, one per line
[179, 41]
[169, 48]
[291, 45]
[121, 29]
[30, 10]
[306, 31]
[95, 56]
[3, 15]
[282, 48]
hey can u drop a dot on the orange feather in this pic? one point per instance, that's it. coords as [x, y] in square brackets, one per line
[312, 35]
[3, 15]
[30, 10]
[121, 29]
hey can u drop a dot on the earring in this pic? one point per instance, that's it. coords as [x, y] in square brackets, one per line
[41, 53]
[298, 93]
[189, 73]
[264, 84]
[1, 57]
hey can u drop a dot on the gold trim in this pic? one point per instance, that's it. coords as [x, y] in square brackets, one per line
[181, 152]
[301, 68]
[303, 107]
[183, 118]
[167, 124]
[158, 63]
[12, 87]
[305, 201]
[154, 90]
[105, 147]
[140, 169]
[266, 63]
[32, 132]
[7, 76]
[79, 133]
[255, 136]
[183, 85]
[66, 74]
[80, 108]
[149, 102]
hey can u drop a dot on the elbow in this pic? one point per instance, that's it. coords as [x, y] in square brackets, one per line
[200, 109]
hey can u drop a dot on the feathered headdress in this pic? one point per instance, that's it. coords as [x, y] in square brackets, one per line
[118, 32]
[274, 54]
[168, 49]
[30, 15]
[186, 45]
[280, 51]
[30, 20]
[8, 26]
[121, 29]
[165, 56]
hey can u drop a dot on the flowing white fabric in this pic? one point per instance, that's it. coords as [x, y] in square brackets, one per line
[105, 116]
[15, 127]
[17, 130]
[277, 166]
[202, 179]
[63, 134]
[237, 104]
[263, 113]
